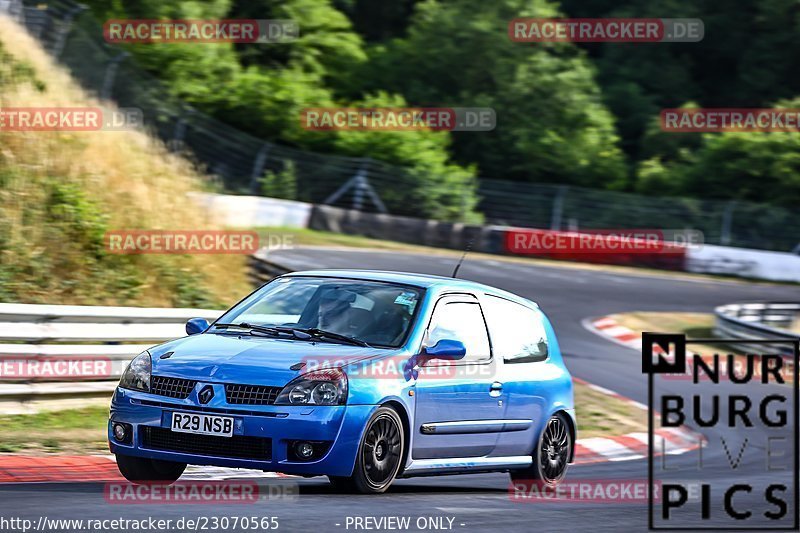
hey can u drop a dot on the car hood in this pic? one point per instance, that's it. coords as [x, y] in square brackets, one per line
[252, 360]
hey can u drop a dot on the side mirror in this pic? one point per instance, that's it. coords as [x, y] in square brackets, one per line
[446, 349]
[196, 325]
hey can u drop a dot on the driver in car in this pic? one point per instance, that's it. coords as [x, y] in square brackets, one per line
[335, 312]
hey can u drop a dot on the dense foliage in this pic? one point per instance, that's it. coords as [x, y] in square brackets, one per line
[567, 114]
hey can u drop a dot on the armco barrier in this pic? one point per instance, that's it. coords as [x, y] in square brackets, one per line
[51, 314]
[755, 264]
[757, 321]
[708, 259]
[488, 239]
[38, 371]
[44, 329]
[262, 269]
[409, 230]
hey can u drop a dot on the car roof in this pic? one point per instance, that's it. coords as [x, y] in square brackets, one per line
[425, 281]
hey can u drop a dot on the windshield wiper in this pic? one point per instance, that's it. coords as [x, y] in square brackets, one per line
[252, 327]
[321, 333]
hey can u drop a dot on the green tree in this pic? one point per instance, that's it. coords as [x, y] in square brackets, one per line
[327, 45]
[744, 60]
[552, 124]
[430, 184]
[378, 21]
[263, 90]
[746, 166]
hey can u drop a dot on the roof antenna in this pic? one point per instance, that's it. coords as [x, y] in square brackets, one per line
[466, 251]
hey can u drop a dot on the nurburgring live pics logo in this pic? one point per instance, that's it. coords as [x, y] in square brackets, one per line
[733, 367]
[755, 424]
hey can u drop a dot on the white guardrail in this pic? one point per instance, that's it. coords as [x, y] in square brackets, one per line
[68, 352]
[758, 321]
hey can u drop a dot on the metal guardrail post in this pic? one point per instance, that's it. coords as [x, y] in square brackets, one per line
[111, 74]
[65, 28]
[13, 8]
[727, 224]
[464, 196]
[258, 166]
[376, 200]
[558, 208]
[361, 186]
[176, 143]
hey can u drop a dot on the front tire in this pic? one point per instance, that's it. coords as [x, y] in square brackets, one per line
[379, 455]
[551, 455]
[141, 470]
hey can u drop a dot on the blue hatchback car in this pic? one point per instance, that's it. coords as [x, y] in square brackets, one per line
[361, 376]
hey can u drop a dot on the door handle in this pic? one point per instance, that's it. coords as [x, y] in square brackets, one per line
[495, 389]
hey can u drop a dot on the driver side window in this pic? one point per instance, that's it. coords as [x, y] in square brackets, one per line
[462, 320]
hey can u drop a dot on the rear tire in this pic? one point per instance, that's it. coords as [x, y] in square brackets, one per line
[551, 455]
[379, 455]
[141, 470]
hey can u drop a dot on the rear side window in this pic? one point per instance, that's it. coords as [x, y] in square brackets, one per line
[517, 332]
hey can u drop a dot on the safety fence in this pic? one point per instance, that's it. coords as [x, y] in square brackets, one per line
[64, 353]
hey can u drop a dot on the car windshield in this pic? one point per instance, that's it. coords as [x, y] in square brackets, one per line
[377, 313]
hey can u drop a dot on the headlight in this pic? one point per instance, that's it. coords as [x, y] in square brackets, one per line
[137, 374]
[320, 387]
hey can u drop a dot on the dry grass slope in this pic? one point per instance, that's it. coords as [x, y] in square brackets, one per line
[61, 191]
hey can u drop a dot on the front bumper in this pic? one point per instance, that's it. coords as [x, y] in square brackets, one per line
[341, 426]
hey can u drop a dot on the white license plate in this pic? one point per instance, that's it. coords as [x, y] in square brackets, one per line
[221, 426]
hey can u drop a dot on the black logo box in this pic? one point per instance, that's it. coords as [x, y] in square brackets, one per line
[675, 344]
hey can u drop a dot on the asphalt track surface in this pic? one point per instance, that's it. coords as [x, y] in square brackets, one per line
[481, 502]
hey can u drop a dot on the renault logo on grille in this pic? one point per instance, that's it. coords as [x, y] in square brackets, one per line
[206, 393]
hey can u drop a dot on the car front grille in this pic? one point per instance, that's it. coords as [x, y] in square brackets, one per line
[251, 394]
[171, 387]
[236, 447]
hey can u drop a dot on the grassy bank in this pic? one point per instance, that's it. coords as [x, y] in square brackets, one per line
[60, 192]
[601, 415]
[68, 431]
[693, 325]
